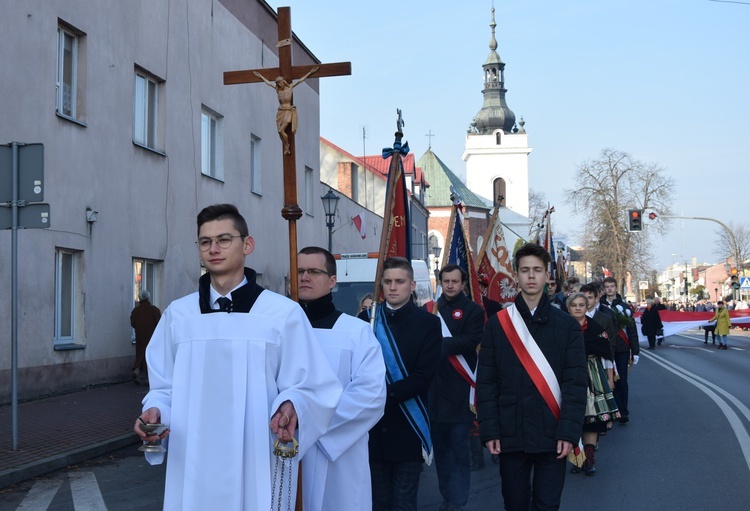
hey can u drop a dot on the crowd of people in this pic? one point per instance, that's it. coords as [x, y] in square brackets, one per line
[235, 369]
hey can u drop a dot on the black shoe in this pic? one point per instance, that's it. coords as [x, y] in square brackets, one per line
[589, 471]
[624, 419]
[575, 470]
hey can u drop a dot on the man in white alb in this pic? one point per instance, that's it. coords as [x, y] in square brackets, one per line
[226, 364]
[336, 471]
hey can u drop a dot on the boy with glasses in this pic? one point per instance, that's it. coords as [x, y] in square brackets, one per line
[226, 364]
[336, 470]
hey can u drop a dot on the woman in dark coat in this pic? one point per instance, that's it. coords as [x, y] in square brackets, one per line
[651, 323]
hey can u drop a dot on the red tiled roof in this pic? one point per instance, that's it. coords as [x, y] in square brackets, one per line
[381, 165]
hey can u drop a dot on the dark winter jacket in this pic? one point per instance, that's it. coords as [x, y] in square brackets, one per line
[418, 336]
[618, 306]
[510, 408]
[449, 394]
[651, 321]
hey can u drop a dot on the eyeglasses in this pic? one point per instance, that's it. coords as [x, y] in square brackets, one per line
[223, 240]
[313, 272]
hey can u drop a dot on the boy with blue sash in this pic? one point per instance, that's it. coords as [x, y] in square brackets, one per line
[411, 340]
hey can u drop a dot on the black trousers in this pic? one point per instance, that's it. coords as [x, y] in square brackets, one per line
[532, 480]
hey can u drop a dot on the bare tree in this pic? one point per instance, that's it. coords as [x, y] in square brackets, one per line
[606, 188]
[724, 248]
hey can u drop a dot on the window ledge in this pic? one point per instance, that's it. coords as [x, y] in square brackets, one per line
[67, 346]
[220, 180]
[150, 149]
[71, 119]
[255, 192]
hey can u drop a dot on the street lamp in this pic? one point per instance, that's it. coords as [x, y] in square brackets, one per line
[436, 252]
[716, 294]
[330, 203]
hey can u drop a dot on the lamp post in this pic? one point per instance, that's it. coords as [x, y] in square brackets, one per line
[686, 282]
[436, 252]
[330, 204]
[716, 294]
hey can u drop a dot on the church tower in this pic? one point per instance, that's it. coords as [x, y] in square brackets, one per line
[497, 151]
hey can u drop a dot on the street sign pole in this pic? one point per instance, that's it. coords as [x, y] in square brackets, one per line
[14, 301]
[21, 170]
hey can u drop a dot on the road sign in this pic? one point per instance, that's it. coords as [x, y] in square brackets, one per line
[744, 282]
[31, 216]
[643, 284]
[30, 172]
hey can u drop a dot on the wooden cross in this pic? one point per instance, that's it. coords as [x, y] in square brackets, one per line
[282, 79]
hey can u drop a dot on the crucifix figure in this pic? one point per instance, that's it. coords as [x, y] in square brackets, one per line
[282, 79]
[286, 117]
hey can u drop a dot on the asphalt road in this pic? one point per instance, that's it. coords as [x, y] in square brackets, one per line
[687, 447]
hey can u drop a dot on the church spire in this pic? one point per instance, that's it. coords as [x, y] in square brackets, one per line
[494, 113]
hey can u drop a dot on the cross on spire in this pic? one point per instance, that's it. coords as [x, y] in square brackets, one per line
[429, 136]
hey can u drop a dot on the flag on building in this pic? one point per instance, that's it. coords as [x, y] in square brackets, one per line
[359, 223]
[494, 261]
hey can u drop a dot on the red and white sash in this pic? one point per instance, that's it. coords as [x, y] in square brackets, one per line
[458, 362]
[531, 357]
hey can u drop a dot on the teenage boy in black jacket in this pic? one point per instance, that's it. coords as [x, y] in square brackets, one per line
[396, 451]
[523, 420]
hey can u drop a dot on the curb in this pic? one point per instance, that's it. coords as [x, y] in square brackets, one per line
[58, 461]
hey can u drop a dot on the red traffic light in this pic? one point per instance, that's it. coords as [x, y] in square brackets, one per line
[634, 220]
[652, 216]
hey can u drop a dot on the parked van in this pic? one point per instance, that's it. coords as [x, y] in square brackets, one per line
[355, 277]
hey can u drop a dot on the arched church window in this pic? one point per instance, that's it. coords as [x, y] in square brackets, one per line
[498, 189]
[498, 140]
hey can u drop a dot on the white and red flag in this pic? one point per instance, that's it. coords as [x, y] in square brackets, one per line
[359, 223]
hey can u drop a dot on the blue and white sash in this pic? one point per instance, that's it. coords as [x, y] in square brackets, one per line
[414, 408]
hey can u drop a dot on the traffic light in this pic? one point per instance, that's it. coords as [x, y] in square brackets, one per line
[635, 223]
[735, 282]
[652, 216]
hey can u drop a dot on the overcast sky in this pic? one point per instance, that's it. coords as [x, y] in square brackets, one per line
[664, 80]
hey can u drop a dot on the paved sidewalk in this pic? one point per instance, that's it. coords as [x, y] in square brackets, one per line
[62, 430]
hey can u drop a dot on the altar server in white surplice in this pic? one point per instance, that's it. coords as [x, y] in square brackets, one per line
[336, 471]
[232, 368]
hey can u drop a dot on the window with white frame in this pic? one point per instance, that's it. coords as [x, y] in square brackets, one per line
[67, 72]
[66, 295]
[146, 110]
[255, 169]
[309, 201]
[211, 142]
[145, 279]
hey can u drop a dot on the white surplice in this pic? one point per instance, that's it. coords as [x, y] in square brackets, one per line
[217, 379]
[336, 471]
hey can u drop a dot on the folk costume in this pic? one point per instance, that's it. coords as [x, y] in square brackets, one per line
[336, 470]
[600, 402]
[528, 412]
[217, 378]
[398, 446]
[452, 392]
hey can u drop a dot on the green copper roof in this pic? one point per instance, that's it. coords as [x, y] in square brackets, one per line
[441, 178]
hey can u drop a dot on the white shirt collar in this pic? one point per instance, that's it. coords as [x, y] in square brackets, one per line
[214, 294]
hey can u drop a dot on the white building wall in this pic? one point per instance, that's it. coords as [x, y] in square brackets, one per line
[487, 161]
[147, 201]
